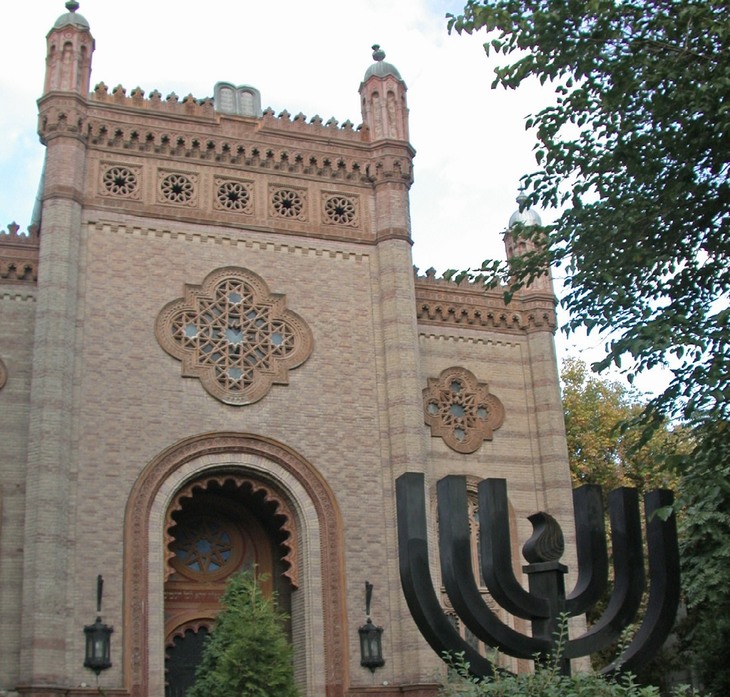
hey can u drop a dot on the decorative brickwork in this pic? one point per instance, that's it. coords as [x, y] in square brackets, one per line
[440, 302]
[177, 188]
[142, 187]
[19, 255]
[233, 195]
[338, 209]
[228, 448]
[288, 203]
[339, 160]
[285, 518]
[234, 335]
[120, 181]
[459, 409]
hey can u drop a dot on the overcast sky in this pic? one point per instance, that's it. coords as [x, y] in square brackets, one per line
[472, 147]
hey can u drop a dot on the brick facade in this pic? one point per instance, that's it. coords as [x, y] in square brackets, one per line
[102, 427]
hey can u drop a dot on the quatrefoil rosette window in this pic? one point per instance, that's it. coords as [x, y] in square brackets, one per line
[234, 335]
[460, 409]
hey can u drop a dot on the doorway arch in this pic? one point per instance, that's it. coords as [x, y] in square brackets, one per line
[318, 608]
[217, 526]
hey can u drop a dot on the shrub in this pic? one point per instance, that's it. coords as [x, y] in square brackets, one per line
[247, 654]
[546, 681]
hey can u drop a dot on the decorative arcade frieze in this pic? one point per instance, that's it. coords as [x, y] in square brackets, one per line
[19, 255]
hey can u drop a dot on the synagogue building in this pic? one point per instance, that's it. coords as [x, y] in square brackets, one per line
[215, 354]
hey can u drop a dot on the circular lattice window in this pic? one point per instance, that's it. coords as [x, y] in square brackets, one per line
[120, 181]
[177, 188]
[340, 210]
[234, 196]
[206, 548]
[287, 203]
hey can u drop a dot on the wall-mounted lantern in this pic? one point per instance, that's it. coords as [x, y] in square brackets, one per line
[371, 637]
[98, 638]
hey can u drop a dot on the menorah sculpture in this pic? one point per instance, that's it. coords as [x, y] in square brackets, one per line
[545, 604]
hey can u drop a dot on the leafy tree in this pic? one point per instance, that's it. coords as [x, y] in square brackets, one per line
[601, 449]
[247, 654]
[604, 449]
[704, 534]
[634, 152]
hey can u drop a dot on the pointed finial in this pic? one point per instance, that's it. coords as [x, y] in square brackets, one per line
[521, 198]
[378, 54]
[524, 214]
[72, 5]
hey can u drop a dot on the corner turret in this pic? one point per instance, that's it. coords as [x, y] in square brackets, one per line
[68, 56]
[516, 245]
[524, 216]
[383, 100]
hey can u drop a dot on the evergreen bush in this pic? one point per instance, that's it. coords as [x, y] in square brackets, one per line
[247, 654]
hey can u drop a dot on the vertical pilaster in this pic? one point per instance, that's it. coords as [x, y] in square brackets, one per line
[49, 520]
[48, 537]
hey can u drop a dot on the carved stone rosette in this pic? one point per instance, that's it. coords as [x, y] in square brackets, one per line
[120, 180]
[234, 335]
[459, 409]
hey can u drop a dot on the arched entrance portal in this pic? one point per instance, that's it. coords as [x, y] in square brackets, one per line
[314, 564]
[216, 526]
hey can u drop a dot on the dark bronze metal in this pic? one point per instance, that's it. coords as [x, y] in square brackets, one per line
[546, 600]
[371, 637]
[98, 637]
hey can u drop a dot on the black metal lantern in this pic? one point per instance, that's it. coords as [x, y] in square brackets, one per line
[98, 638]
[371, 637]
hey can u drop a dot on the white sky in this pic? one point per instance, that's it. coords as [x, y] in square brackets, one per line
[471, 144]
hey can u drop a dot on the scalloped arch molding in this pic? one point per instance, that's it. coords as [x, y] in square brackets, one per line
[322, 616]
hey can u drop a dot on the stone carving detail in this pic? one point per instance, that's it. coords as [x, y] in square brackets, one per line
[288, 203]
[340, 210]
[234, 195]
[234, 335]
[284, 514]
[137, 550]
[19, 254]
[459, 409]
[205, 548]
[177, 188]
[120, 180]
[3, 374]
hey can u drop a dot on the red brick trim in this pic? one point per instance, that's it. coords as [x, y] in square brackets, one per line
[136, 548]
